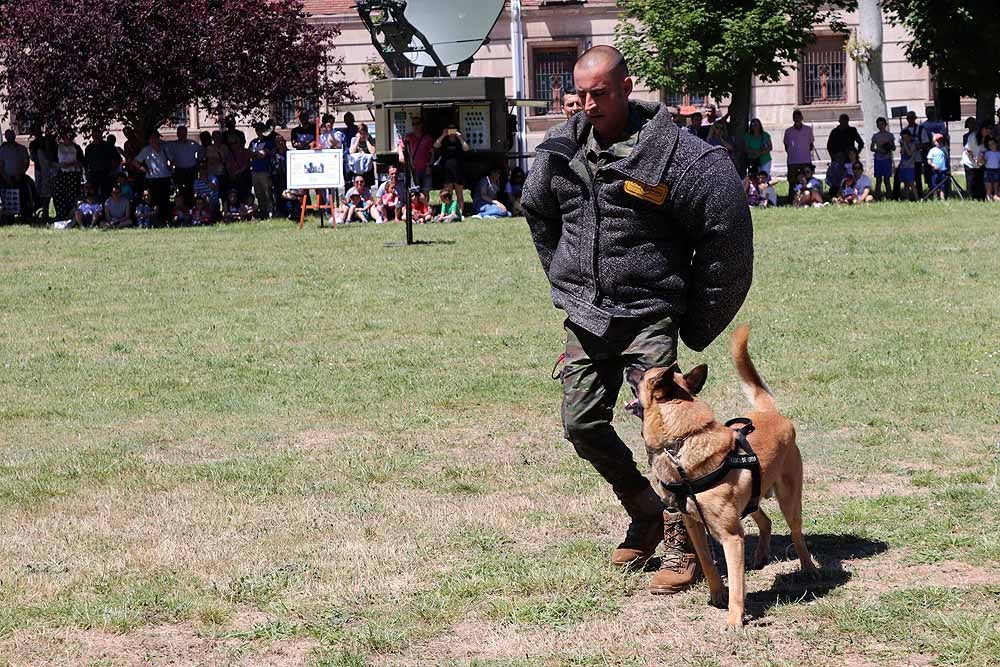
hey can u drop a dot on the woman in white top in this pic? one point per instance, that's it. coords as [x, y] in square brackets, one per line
[973, 159]
[68, 181]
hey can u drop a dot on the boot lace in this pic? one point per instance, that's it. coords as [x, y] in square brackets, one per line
[674, 542]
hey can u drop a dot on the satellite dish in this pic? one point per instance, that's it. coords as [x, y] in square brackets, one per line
[434, 34]
[456, 28]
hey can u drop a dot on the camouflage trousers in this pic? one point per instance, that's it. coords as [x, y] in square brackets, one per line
[592, 377]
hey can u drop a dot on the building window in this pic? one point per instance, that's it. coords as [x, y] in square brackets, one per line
[823, 72]
[286, 110]
[552, 74]
[181, 116]
[684, 99]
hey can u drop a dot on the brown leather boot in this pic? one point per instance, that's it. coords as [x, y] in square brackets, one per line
[679, 568]
[644, 532]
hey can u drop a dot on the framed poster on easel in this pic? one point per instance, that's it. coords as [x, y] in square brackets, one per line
[317, 169]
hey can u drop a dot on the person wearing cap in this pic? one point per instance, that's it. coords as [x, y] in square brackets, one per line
[644, 234]
[261, 150]
[937, 160]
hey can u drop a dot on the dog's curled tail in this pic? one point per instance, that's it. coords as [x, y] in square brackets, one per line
[756, 389]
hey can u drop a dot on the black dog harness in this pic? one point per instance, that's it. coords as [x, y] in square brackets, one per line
[742, 457]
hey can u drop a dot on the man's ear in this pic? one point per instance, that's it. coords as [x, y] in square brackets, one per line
[695, 379]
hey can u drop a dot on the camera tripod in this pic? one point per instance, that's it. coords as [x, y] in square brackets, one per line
[959, 190]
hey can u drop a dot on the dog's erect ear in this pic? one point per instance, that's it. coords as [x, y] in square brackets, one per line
[634, 378]
[695, 379]
[663, 385]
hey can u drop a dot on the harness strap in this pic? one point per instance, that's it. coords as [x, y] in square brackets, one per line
[747, 460]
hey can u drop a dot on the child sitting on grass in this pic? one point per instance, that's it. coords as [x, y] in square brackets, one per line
[88, 212]
[248, 210]
[992, 158]
[808, 191]
[848, 193]
[450, 211]
[862, 184]
[231, 210]
[145, 212]
[182, 214]
[202, 214]
[419, 209]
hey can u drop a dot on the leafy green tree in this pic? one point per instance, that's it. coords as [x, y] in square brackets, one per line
[956, 39]
[719, 47]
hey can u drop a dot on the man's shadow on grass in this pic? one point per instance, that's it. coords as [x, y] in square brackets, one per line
[828, 551]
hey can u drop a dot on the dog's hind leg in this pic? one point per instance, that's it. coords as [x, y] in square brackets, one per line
[716, 589]
[789, 493]
[762, 554]
[733, 546]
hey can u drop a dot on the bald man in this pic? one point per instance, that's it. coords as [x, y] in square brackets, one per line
[644, 233]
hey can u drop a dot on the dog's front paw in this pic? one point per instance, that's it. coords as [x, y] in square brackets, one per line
[733, 623]
[810, 571]
[719, 598]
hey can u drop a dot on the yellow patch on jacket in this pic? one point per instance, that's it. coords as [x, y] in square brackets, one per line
[652, 193]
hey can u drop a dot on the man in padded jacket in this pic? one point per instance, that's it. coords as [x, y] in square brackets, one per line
[644, 233]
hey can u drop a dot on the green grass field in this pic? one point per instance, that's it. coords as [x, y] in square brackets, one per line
[252, 445]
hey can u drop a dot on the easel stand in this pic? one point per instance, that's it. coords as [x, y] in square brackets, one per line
[305, 206]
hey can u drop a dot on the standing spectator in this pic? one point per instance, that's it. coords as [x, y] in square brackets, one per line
[389, 197]
[909, 159]
[214, 153]
[231, 134]
[973, 160]
[349, 132]
[262, 150]
[14, 163]
[329, 137]
[843, 138]
[915, 130]
[279, 174]
[571, 102]
[303, 137]
[238, 168]
[153, 164]
[992, 163]
[937, 160]
[131, 149]
[883, 146]
[66, 186]
[117, 210]
[717, 137]
[185, 155]
[421, 151]
[934, 125]
[452, 147]
[758, 147]
[44, 150]
[712, 117]
[485, 200]
[103, 161]
[696, 127]
[799, 146]
[361, 159]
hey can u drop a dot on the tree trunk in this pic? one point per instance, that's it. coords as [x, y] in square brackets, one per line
[739, 117]
[986, 105]
[871, 83]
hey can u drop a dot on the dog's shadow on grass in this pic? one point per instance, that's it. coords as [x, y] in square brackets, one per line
[830, 552]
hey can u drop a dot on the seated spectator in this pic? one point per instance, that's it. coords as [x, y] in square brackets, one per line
[328, 137]
[485, 201]
[760, 191]
[449, 208]
[203, 213]
[146, 213]
[419, 209]
[182, 212]
[835, 173]
[207, 187]
[808, 191]
[513, 188]
[89, 212]
[125, 185]
[863, 184]
[848, 194]
[249, 209]
[117, 210]
[232, 208]
[358, 204]
[389, 197]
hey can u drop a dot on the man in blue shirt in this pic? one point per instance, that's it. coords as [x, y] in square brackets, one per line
[261, 149]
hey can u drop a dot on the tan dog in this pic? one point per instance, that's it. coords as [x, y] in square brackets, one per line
[673, 418]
